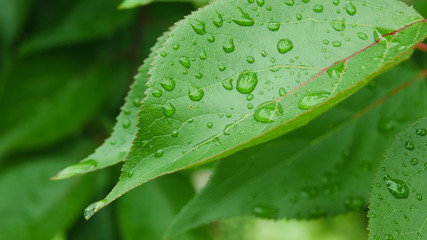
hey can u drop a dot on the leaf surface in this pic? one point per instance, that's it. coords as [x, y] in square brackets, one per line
[398, 208]
[323, 169]
[238, 73]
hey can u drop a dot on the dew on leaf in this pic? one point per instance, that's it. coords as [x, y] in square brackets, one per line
[299, 16]
[282, 92]
[185, 61]
[336, 43]
[168, 109]
[211, 38]
[218, 21]
[289, 2]
[228, 46]
[247, 82]
[419, 196]
[265, 211]
[159, 153]
[414, 161]
[250, 106]
[174, 134]
[336, 71]
[310, 100]
[268, 112]
[305, 1]
[339, 25]
[94, 207]
[230, 129]
[409, 145]
[249, 97]
[260, 2]
[350, 8]
[273, 26]
[250, 59]
[126, 124]
[157, 93]
[318, 8]
[195, 93]
[264, 53]
[284, 46]
[198, 26]
[209, 124]
[221, 67]
[421, 132]
[389, 237]
[362, 36]
[137, 102]
[396, 187]
[168, 84]
[336, 2]
[228, 84]
[245, 20]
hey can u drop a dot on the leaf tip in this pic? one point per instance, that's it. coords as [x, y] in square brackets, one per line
[93, 208]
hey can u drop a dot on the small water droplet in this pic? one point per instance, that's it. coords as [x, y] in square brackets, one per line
[419, 196]
[195, 93]
[350, 8]
[268, 112]
[284, 46]
[221, 67]
[389, 237]
[218, 21]
[247, 82]
[409, 145]
[260, 2]
[265, 211]
[168, 109]
[159, 153]
[362, 36]
[318, 8]
[250, 106]
[245, 20]
[185, 61]
[421, 132]
[250, 59]
[157, 93]
[310, 100]
[174, 134]
[289, 2]
[168, 84]
[230, 129]
[336, 43]
[249, 97]
[336, 2]
[228, 46]
[198, 26]
[282, 92]
[228, 84]
[93, 208]
[126, 124]
[414, 161]
[396, 187]
[137, 102]
[274, 26]
[209, 125]
[299, 16]
[339, 25]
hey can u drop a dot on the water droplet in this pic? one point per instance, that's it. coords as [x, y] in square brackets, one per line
[419, 196]
[339, 25]
[260, 2]
[168, 84]
[409, 145]
[211, 38]
[336, 43]
[250, 106]
[228, 84]
[284, 46]
[228, 45]
[159, 153]
[299, 16]
[195, 93]
[336, 2]
[289, 2]
[176, 46]
[249, 97]
[274, 26]
[198, 26]
[209, 125]
[389, 237]
[268, 112]
[282, 92]
[168, 109]
[337, 70]
[218, 21]
[126, 124]
[310, 100]
[318, 8]
[414, 161]
[93, 208]
[421, 132]
[362, 36]
[250, 59]
[221, 67]
[245, 20]
[265, 211]
[396, 187]
[247, 82]
[137, 102]
[174, 133]
[157, 93]
[230, 129]
[354, 203]
[305, 1]
[350, 8]
[185, 61]
[264, 53]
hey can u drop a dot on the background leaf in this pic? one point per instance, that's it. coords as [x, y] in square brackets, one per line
[126, 4]
[197, 118]
[397, 204]
[323, 169]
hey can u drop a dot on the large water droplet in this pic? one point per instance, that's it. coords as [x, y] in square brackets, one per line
[268, 112]
[265, 211]
[247, 82]
[185, 61]
[168, 84]
[396, 187]
[310, 100]
[198, 26]
[245, 20]
[228, 45]
[284, 46]
[350, 8]
[195, 93]
[93, 208]
[168, 109]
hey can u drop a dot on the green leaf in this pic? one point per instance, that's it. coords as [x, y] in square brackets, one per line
[127, 4]
[32, 206]
[79, 21]
[323, 169]
[197, 118]
[158, 201]
[397, 203]
[116, 147]
[46, 97]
